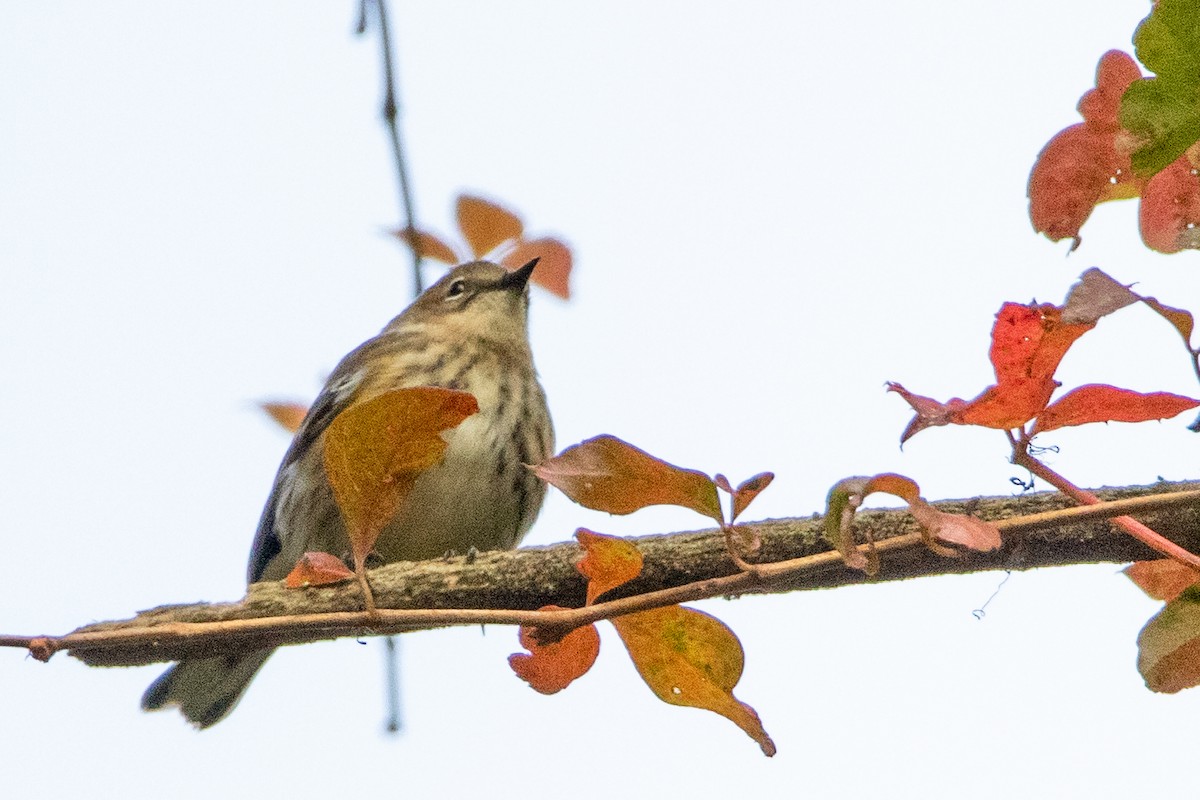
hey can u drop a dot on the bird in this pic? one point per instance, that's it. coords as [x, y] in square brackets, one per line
[468, 331]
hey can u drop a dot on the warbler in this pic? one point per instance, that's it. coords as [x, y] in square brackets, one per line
[468, 331]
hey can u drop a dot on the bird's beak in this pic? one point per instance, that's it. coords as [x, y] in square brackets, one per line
[516, 280]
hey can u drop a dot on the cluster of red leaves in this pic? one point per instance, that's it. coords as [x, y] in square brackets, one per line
[1138, 138]
[685, 656]
[492, 231]
[1028, 342]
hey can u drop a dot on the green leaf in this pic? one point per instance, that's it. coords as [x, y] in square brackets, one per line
[1164, 111]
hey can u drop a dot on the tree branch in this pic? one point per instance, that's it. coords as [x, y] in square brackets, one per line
[505, 587]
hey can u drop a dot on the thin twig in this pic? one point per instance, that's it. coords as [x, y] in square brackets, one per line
[1128, 524]
[390, 112]
[161, 641]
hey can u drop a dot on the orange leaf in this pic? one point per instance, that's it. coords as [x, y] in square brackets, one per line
[903, 487]
[608, 562]
[375, 451]
[1180, 319]
[486, 225]
[607, 474]
[554, 264]
[550, 668]
[1169, 216]
[689, 658]
[1169, 645]
[1087, 163]
[748, 490]
[1163, 578]
[317, 569]
[428, 245]
[1102, 403]
[288, 415]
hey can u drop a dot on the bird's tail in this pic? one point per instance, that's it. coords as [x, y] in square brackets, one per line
[205, 689]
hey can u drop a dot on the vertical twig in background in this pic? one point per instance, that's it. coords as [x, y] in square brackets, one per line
[394, 722]
[391, 679]
[390, 112]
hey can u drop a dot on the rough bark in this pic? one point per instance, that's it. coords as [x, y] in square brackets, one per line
[534, 577]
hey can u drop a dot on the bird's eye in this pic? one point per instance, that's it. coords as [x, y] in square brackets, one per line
[456, 288]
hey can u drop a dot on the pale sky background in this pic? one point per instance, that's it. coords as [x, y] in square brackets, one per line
[775, 207]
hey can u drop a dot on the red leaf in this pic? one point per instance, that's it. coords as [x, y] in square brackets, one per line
[1088, 163]
[608, 474]
[1008, 405]
[1102, 403]
[608, 562]
[554, 265]
[486, 225]
[1163, 578]
[1029, 341]
[550, 668]
[1169, 215]
[317, 569]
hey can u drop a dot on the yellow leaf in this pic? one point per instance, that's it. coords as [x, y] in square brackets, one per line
[689, 658]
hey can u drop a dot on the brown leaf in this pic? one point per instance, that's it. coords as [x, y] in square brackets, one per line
[554, 264]
[1094, 296]
[1169, 645]
[608, 562]
[550, 668]
[317, 569]
[689, 658]
[375, 451]
[1163, 578]
[486, 225]
[748, 490]
[428, 245]
[288, 415]
[607, 474]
